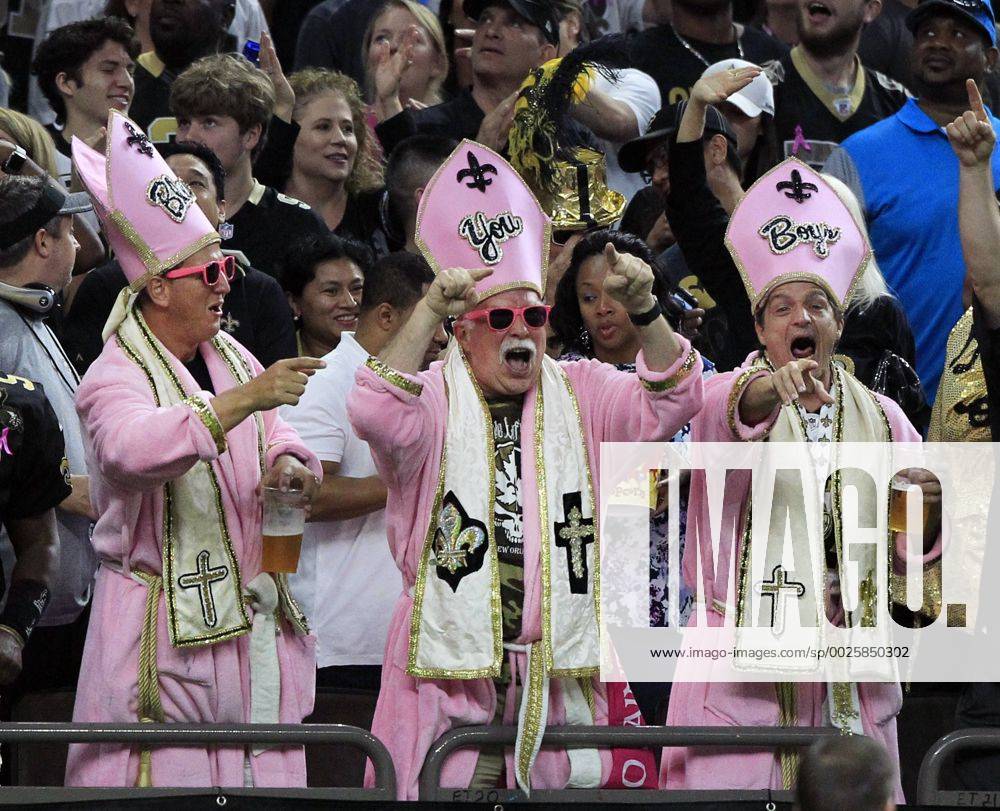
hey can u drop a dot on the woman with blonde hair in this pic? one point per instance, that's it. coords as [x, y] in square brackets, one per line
[334, 168]
[406, 59]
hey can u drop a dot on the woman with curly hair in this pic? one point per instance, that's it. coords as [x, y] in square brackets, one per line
[334, 168]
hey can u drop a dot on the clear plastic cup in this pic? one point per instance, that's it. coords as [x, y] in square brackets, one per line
[284, 520]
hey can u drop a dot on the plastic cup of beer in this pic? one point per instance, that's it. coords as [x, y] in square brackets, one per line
[284, 520]
[897, 503]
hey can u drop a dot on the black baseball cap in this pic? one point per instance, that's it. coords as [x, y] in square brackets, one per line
[632, 155]
[52, 201]
[977, 12]
[540, 13]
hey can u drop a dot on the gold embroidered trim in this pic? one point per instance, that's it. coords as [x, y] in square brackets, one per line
[503, 288]
[736, 392]
[242, 374]
[756, 297]
[593, 512]
[168, 535]
[209, 418]
[14, 633]
[535, 699]
[496, 617]
[390, 375]
[788, 717]
[543, 520]
[932, 599]
[843, 706]
[676, 378]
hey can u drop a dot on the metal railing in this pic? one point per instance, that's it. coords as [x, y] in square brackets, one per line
[139, 735]
[945, 747]
[631, 737]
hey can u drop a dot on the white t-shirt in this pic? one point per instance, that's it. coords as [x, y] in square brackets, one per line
[640, 93]
[623, 16]
[347, 582]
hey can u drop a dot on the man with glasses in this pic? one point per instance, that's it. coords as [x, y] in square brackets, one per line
[181, 433]
[905, 174]
[490, 460]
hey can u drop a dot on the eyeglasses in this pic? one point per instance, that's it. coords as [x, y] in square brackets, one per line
[500, 318]
[210, 271]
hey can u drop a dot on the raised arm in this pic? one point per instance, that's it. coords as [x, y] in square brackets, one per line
[451, 294]
[972, 138]
[630, 282]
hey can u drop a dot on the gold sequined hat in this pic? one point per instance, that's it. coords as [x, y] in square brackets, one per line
[577, 197]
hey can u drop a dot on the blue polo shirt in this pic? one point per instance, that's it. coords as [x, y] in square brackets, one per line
[908, 176]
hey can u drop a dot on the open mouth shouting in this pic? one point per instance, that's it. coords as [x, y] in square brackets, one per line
[818, 12]
[803, 347]
[517, 356]
[216, 309]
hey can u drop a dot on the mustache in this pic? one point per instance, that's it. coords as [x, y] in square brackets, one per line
[511, 343]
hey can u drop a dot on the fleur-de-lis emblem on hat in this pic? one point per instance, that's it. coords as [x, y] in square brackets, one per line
[799, 191]
[138, 139]
[477, 173]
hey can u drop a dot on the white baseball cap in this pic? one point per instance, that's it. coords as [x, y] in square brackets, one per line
[754, 99]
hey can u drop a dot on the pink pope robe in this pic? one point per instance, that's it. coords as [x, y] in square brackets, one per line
[406, 433]
[133, 448]
[754, 703]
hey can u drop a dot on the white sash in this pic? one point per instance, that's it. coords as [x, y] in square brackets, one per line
[456, 627]
[202, 583]
[858, 417]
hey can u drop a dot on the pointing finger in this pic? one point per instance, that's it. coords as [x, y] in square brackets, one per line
[976, 100]
[611, 255]
[478, 274]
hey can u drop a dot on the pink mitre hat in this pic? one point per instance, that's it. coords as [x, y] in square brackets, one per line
[477, 212]
[793, 227]
[149, 215]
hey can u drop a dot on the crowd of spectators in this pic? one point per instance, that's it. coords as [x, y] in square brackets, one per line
[307, 131]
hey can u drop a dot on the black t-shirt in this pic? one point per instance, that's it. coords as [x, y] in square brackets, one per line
[804, 122]
[331, 36]
[151, 99]
[886, 43]
[18, 38]
[457, 118]
[34, 473]
[198, 369]
[267, 224]
[508, 512]
[661, 53]
[255, 313]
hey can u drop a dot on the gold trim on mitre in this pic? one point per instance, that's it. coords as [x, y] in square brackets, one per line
[154, 266]
[758, 298]
[436, 268]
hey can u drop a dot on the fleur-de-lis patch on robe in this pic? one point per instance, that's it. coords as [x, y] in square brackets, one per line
[460, 542]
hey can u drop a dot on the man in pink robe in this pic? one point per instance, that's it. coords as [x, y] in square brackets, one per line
[403, 415]
[800, 252]
[181, 432]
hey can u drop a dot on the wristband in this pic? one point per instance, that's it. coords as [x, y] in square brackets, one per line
[26, 602]
[15, 161]
[648, 317]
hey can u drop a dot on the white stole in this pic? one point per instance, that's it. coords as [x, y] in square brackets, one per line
[456, 626]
